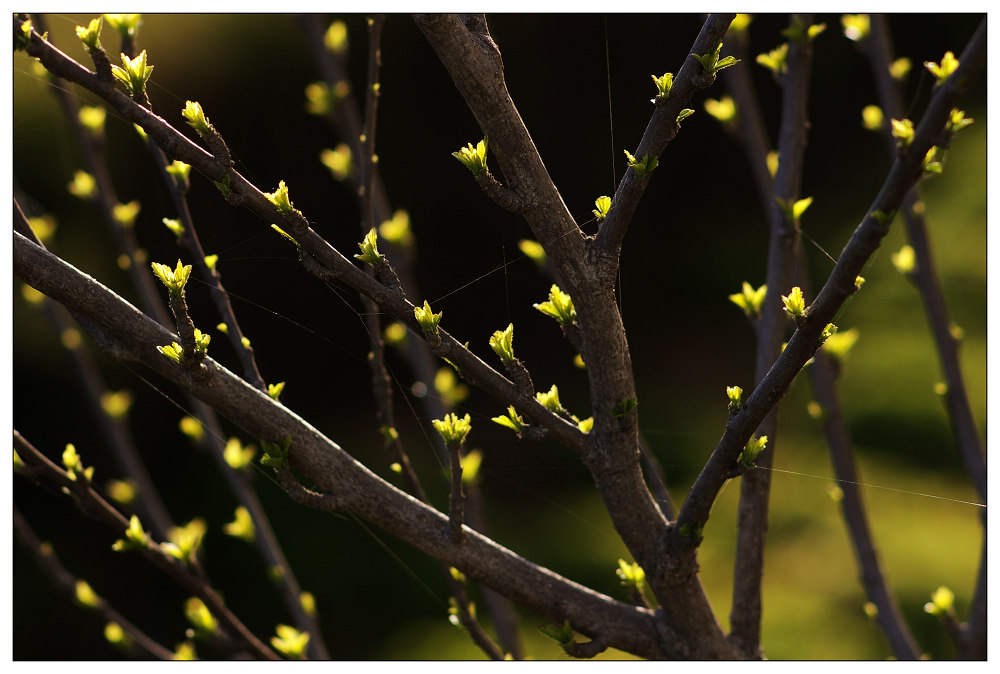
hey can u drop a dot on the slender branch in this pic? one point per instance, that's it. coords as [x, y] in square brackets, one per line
[755, 487]
[661, 130]
[901, 640]
[839, 287]
[129, 335]
[926, 278]
[139, 641]
[41, 470]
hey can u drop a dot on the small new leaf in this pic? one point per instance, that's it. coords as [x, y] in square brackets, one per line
[794, 210]
[857, 27]
[369, 249]
[134, 74]
[735, 395]
[339, 160]
[838, 345]
[135, 537]
[643, 166]
[427, 319]
[872, 117]
[684, 114]
[905, 259]
[723, 109]
[663, 85]
[276, 453]
[711, 63]
[502, 343]
[753, 448]
[795, 304]
[236, 455]
[174, 226]
[185, 540]
[775, 60]
[91, 35]
[174, 352]
[750, 300]
[513, 420]
[195, 117]
[957, 121]
[902, 131]
[280, 199]
[550, 399]
[942, 602]
[559, 306]
[474, 158]
[173, 279]
[242, 526]
[202, 621]
[603, 205]
[943, 70]
[452, 429]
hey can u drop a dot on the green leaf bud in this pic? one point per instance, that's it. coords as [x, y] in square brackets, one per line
[202, 621]
[643, 166]
[749, 300]
[474, 158]
[280, 199]
[236, 455]
[943, 70]
[502, 343]
[775, 60]
[83, 185]
[85, 595]
[512, 421]
[550, 399]
[242, 526]
[452, 429]
[905, 260]
[126, 24]
[663, 85]
[735, 395]
[942, 602]
[603, 205]
[397, 230]
[902, 131]
[723, 109]
[795, 304]
[427, 319]
[134, 74]
[369, 249]
[196, 118]
[91, 35]
[339, 161]
[752, 449]
[857, 27]
[559, 306]
[872, 117]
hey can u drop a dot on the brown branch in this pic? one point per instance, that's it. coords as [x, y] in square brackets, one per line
[839, 287]
[129, 335]
[41, 470]
[755, 487]
[47, 560]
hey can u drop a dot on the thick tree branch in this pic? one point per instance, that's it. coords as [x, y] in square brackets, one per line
[128, 335]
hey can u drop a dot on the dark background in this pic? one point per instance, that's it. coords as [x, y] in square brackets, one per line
[699, 232]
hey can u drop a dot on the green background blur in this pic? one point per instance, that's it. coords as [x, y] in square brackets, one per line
[699, 232]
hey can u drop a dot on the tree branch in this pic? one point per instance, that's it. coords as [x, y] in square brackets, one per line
[662, 128]
[839, 287]
[755, 487]
[131, 336]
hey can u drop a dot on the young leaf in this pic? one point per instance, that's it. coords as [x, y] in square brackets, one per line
[474, 158]
[559, 306]
[369, 249]
[512, 421]
[663, 85]
[603, 205]
[427, 319]
[795, 304]
[943, 70]
[502, 343]
[452, 429]
[753, 447]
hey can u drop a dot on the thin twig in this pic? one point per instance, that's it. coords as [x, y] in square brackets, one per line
[40, 469]
[138, 642]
